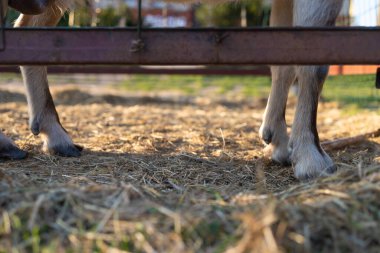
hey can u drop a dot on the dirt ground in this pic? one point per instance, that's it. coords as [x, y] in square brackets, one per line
[171, 173]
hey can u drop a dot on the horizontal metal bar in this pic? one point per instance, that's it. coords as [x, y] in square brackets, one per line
[192, 47]
[188, 70]
[257, 71]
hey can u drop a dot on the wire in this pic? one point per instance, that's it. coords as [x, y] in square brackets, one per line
[2, 26]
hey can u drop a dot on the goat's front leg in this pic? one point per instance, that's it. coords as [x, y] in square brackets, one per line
[9, 150]
[273, 130]
[308, 157]
[44, 119]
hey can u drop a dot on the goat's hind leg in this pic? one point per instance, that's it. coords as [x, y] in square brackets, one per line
[308, 158]
[43, 115]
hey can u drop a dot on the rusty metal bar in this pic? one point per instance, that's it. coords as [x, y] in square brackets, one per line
[193, 47]
[257, 71]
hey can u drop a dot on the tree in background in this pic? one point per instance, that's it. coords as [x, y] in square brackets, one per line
[108, 17]
[230, 14]
[83, 16]
[112, 17]
[11, 17]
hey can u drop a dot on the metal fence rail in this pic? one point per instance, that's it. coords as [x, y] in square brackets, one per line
[158, 70]
[54, 46]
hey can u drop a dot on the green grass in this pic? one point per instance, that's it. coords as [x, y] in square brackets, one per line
[353, 92]
[195, 84]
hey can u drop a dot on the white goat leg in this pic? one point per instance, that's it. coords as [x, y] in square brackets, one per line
[308, 158]
[273, 129]
[43, 115]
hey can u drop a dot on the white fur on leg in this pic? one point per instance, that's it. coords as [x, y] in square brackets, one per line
[55, 136]
[308, 160]
[57, 141]
[273, 130]
[43, 116]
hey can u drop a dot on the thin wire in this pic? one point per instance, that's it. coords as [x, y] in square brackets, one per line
[139, 21]
[138, 44]
[2, 26]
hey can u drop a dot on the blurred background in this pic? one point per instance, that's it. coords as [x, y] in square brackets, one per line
[354, 85]
[123, 13]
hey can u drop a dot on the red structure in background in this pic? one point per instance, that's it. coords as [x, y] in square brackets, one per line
[352, 69]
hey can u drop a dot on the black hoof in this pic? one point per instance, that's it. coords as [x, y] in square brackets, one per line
[12, 152]
[286, 163]
[79, 147]
[67, 151]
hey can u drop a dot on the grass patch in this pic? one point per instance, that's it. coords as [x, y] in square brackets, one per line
[354, 92]
[197, 84]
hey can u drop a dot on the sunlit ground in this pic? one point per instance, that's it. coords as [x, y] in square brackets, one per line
[175, 164]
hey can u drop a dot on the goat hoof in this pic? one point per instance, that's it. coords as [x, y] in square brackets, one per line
[279, 155]
[325, 173]
[309, 163]
[284, 162]
[67, 150]
[12, 152]
[331, 170]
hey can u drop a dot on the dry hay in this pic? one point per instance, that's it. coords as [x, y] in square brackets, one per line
[165, 174]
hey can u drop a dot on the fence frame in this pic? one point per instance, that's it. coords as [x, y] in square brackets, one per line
[246, 46]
